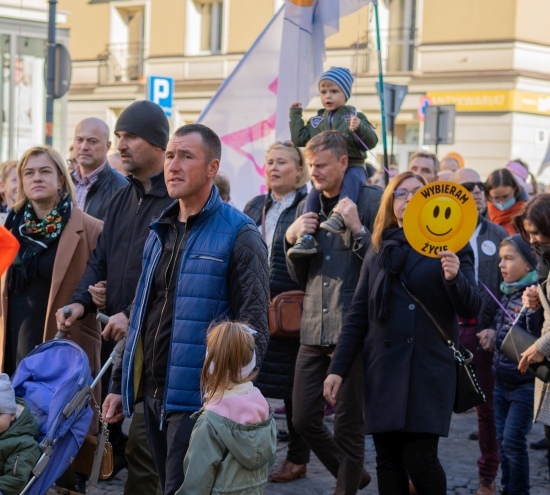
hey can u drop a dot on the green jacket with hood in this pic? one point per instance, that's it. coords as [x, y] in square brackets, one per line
[226, 457]
[301, 133]
[19, 451]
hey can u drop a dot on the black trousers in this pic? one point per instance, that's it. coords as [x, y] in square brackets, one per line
[298, 450]
[400, 455]
[342, 453]
[170, 445]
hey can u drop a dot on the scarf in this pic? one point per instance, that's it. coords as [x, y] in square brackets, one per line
[35, 236]
[510, 287]
[504, 218]
[391, 258]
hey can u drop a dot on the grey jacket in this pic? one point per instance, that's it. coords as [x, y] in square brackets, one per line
[331, 275]
[227, 457]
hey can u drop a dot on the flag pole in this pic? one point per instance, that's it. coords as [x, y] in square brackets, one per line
[382, 101]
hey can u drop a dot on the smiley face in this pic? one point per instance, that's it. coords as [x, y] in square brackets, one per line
[440, 219]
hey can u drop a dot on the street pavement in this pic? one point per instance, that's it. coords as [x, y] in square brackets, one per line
[458, 456]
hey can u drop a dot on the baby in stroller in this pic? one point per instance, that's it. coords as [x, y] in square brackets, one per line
[19, 449]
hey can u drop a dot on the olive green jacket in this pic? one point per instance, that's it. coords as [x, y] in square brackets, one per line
[301, 133]
[227, 457]
[19, 451]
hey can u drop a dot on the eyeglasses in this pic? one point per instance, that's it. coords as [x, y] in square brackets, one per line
[288, 144]
[470, 186]
[404, 193]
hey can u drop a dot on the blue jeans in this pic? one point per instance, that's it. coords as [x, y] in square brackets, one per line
[513, 420]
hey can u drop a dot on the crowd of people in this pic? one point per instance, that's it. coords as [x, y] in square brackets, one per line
[187, 280]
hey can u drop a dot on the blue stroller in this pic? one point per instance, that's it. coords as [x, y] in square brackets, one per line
[55, 381]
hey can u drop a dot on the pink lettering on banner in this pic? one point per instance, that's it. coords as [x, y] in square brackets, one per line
[239, 139]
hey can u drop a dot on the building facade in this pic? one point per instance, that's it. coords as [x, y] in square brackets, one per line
[23, 43]
[490, 58]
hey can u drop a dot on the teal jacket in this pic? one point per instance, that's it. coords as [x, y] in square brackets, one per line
[227, 457]
[301, 133]
[19, 451]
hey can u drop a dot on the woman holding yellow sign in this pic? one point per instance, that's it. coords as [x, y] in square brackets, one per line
[410, 374]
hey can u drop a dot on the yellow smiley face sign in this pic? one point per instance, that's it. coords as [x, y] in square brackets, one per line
[442, 216]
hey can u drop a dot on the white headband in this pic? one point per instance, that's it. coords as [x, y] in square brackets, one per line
[245, 370]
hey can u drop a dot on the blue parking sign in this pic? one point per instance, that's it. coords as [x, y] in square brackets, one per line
[160, 90]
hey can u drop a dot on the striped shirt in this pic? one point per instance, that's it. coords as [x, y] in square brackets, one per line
[83, 184]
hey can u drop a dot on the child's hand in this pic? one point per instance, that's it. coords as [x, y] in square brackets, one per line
[296, 105]
[530, 298]
[354, 123]
[487, 339]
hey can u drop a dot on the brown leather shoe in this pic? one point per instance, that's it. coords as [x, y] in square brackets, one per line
[365, 480]
[288, 471]
[486, 486]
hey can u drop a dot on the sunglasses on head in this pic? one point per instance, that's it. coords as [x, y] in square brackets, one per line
[289, 144]
[470, 186]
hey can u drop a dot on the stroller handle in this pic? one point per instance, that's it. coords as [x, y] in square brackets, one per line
[62, 334]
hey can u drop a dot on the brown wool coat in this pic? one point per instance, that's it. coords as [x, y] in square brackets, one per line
[76, 244]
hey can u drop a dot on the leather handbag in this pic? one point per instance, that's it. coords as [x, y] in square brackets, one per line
[285, 314]
[517, 340]
[468, 391]
[85, 458]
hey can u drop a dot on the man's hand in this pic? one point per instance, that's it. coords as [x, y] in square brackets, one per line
[98, 293]
[354, 123]
[112, 409]
[487, 339]
[530, 298]
[331, 387]
[296, 105]
[305, 224]
[64, 324]
[116, 328]
[348, 209]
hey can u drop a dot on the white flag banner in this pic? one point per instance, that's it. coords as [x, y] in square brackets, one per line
[250, 109]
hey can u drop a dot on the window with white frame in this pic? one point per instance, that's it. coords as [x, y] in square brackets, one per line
[204, 26]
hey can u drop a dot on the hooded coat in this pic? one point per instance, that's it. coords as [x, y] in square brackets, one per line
[19, 451]
[233, 458]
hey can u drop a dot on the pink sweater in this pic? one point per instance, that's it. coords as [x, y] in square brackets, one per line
[243, 404]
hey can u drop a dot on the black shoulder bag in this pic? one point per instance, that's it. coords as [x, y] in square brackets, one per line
[468, 392]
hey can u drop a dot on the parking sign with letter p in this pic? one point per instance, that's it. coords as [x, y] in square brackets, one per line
[160, 90]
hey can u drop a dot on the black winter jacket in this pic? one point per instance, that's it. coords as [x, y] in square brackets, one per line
[276, 376]
[118, 254]
[99, 196]
[279, 278]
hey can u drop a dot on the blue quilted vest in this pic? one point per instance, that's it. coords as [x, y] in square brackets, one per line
[202, 296]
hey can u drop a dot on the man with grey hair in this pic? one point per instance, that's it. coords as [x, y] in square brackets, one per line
[425, 164]
[95, 181]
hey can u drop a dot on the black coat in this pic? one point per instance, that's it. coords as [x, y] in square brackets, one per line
[410, 376]
[98, 197]
[277, 373]
[119, 252]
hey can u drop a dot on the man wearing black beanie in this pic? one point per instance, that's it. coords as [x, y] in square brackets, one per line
[142, 130]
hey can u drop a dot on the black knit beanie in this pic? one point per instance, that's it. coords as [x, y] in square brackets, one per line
[146, 120]
[524, 248]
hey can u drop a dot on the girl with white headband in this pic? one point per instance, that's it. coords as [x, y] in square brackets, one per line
[233, 443]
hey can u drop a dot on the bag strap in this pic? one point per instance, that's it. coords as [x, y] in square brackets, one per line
[457, 354]
[102, 439]
[263, 222]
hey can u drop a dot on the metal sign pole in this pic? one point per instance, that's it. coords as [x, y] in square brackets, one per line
[382, 102]
[50, 79]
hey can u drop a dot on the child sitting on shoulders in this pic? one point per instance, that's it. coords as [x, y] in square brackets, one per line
[233, 443]
[334, 89]
[19, 449]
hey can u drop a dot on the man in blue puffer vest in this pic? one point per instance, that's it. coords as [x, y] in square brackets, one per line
[204, 261]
